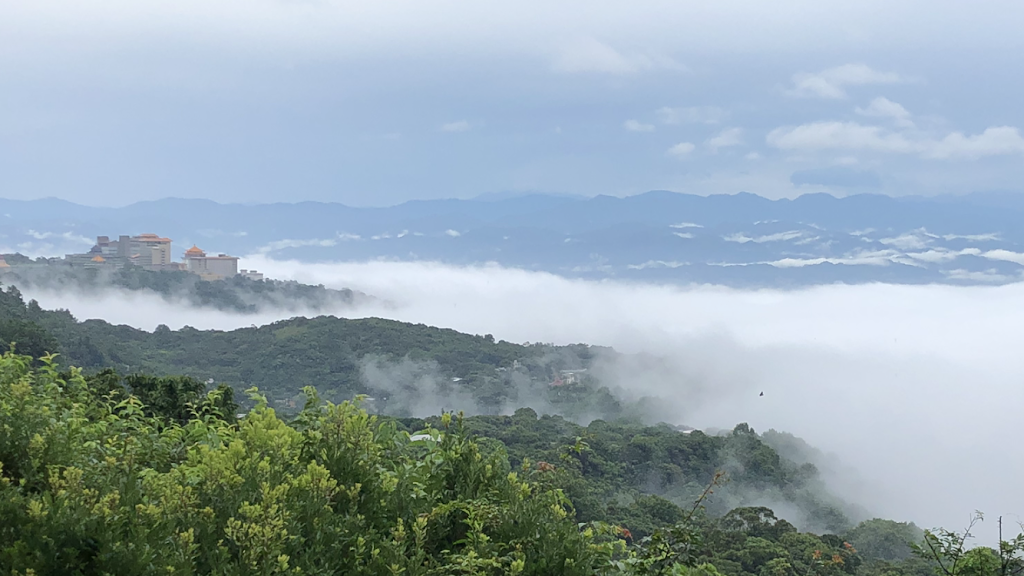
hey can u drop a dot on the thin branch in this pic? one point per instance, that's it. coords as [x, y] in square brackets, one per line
[938, 557]
[716, 481]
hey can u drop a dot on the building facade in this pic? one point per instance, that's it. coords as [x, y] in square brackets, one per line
[146, 250]
[210, 267]
[151, 250]
[154, 252]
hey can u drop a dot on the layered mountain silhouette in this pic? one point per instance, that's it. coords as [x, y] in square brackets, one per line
[739, 240]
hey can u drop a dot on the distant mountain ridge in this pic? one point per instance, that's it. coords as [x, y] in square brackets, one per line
[741, 239]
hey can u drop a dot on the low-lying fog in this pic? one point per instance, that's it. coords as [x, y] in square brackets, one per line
[917, 388]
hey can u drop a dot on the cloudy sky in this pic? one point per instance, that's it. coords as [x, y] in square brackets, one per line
[374, 103]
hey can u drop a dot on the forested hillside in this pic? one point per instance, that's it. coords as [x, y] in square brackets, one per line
[93, 480]
[398, 364]
[237, 294]
[643, 476]
[139, 464]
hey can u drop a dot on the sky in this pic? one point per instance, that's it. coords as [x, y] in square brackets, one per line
[915, 388]
[107, 102]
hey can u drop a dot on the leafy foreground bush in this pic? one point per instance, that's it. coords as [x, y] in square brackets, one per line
[95, 486]
[94, 482]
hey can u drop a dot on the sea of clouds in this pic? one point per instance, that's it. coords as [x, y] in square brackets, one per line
[919, 389]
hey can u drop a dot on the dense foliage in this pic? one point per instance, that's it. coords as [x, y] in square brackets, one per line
[104, 473]
[237, 294]
[95, 481]
[93, 486]
[643, 477]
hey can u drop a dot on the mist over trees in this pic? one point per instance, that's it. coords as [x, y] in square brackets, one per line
[406, 368]
[140, 460]
[94, 481]
[237, 294]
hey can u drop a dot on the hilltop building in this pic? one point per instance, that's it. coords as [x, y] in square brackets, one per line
[210, 267]
[146, 250]
[153, 252]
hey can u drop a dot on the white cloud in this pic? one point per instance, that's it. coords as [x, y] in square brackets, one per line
[884, 257]
[657, 264]
[681, 150]
[685, 225]
[293, 243]
[70, 236]
[804, 262]
[686, 235]
[973, 276]
[884, 108]
[856, 258]
[635, 126]
[910, 241]
[833, 135]
[940, 255]
[777, 237]
[725, 138]
[1004, 255]
[453, 233]
[973, 237]
[997, 141]
[839, 136]
[458, 126]
[691, 115]
[830, 83]
[591, 55]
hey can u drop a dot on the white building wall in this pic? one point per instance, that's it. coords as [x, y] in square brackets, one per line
[225, 266]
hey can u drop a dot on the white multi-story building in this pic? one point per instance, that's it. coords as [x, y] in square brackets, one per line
[145, 250]
[210, 267]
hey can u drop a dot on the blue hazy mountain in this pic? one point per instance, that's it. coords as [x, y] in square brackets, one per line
[740, 240]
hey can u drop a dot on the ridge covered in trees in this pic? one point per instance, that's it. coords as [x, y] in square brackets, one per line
[327, 352]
